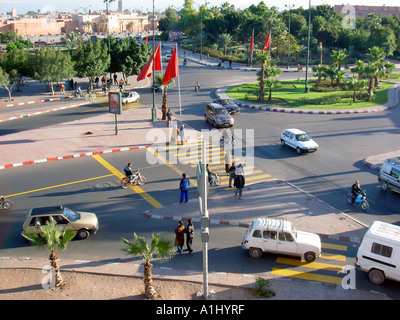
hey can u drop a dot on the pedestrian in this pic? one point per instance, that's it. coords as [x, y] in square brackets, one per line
[115, 78]
[180, 236]
[169, 117]
[184, 187]
[174, 135]
[232, 174]
[182, 134]
[121, 84]
[62, 88]
[189, 235]
[103, 80]
[239, 184]
[228, 160]
[96, 81]
[239, 171]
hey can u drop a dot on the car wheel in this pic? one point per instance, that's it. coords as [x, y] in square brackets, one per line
[385, 186]
[283, 143]
[255, 253]
[376, 276]
[309, 256]
[82, 234]
[298, 150]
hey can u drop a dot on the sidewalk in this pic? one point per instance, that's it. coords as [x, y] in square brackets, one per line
[97, 135]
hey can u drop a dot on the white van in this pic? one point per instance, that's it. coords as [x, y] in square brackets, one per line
[389, 175]
[379, 252]
[279, 236]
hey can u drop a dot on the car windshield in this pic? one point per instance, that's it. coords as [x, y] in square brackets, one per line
[125, 94]
[294, 232]
[221, 111]
[302, 137]
[226, 101]
[71, 215]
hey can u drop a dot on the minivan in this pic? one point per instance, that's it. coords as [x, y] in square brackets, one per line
[379, 252]
[389, 175]
[218, 115]
[280, 237]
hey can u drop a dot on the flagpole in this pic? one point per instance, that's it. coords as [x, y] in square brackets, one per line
[179, 91]
[252, 48]
[153, 109]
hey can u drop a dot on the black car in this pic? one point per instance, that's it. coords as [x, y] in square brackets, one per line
[229, 104]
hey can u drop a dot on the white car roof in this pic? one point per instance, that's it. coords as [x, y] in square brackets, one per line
[295, 131]
[272, 224]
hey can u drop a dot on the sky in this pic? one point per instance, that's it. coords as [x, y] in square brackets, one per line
[23, 6]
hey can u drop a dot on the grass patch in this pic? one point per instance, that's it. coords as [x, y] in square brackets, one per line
[290, 94]
[394, 76]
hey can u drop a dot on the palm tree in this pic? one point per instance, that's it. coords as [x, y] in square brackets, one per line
[320, 71]
[225, 39]
[262, 57]
[53, 238]
[339, 57]
[159, 80]
[162, 248]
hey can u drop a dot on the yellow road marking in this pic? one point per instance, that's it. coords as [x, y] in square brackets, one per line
[57, 186]
[333, 256]
[312, 265]
[334, 246]
[306, 276]
[137, 189]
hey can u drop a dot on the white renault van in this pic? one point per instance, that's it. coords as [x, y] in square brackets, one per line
[379, 252]
[279, 236]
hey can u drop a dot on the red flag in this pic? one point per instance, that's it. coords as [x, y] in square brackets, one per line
[146, 39]
[252, 43]
[147, 70]
[172, 68]
[267, 43]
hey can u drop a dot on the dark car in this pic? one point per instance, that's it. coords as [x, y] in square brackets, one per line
[218, 115]
[229, 104]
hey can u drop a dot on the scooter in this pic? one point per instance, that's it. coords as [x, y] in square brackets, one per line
[5, 203]
[215, 180]
[360, 200]
[138, 179]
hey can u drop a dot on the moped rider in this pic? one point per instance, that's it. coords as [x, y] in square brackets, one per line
[129, 172]
[356, 189]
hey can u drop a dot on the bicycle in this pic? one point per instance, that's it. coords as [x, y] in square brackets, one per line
[215, 180]
[5, 203]
[227, 141]
[91, 95]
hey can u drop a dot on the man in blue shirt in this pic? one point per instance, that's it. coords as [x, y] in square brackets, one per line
[184, 187]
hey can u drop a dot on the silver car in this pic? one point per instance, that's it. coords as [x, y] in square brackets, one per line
[218, 116]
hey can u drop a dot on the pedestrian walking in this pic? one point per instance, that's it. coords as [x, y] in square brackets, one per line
[228, 160]
[239, 184]
[180, 236]
[182, 134]
[239, 171]
[96, 81]
[115, 78]
[169, 117]
[232, 174]
[62, 89]
[121, 84]
[184, 187]
[174, 135]
[189, 235]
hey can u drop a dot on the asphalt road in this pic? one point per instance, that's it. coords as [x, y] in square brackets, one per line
[328, 174]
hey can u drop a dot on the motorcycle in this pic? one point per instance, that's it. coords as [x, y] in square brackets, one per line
[227, 141]
[5, 203]
[185, 63]
[138, 179]
[360, 200]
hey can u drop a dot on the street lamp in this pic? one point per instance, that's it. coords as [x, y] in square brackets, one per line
[108, 30]
[288, 51]
[307, 89]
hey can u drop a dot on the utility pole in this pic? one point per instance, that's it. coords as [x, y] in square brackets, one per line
[307, 89]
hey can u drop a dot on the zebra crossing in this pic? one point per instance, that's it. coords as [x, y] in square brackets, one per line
[328, 268]
[190, 154]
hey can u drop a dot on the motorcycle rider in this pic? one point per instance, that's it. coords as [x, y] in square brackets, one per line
[129, 173]
[356, 189]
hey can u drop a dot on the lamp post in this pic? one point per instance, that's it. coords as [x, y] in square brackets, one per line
[288, 51]
[153, 109]
[307, 89]
[108, 31]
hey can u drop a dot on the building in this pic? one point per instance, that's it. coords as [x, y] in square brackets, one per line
[363, 11]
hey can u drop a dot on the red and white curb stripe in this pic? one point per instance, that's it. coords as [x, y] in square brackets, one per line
[220, 93]
[44, 111]
[79, 155]
[35, 101]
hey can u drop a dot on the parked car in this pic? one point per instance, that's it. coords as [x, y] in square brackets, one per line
[298, 140]
[389, 175]
[379, 252]
[229, 104]
[218, 116]
[167, 57]
[280, 237]
[82, 223]
[128, 97]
